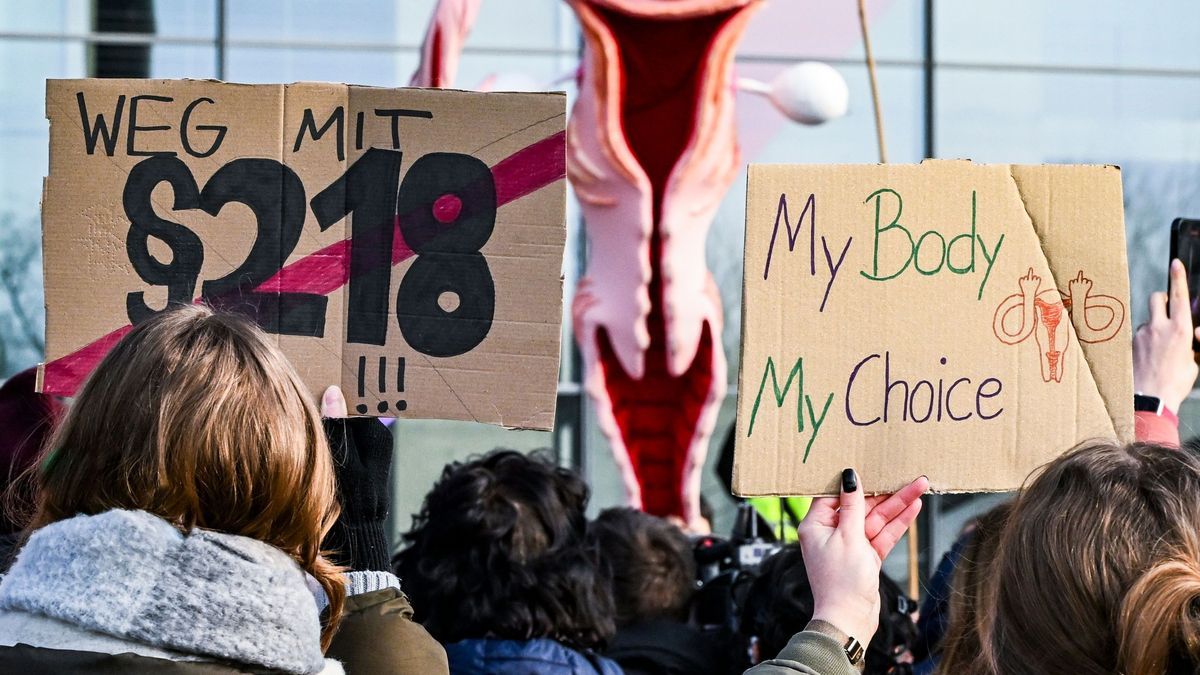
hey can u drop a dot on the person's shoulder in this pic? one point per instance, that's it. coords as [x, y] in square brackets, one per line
[378, 635]
[664, 646]
[807, 653]
[390, 602]
[539, 656]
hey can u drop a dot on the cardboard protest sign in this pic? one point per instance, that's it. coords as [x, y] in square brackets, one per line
[963, 321]
[404, 243]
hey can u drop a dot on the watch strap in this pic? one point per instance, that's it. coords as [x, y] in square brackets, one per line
[853, 649]
[1145, 403]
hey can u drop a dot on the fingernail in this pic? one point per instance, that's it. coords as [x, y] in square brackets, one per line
[1177, 265]
[849, 480]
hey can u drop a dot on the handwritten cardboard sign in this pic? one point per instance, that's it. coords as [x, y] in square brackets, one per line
[963, 321]
[403, 243]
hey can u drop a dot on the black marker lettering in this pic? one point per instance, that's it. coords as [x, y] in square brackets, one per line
[134, 128]
[183, 130]
[396, 114]
[309, 125]
[93, 131]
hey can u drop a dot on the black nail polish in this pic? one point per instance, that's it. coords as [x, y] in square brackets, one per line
[849, 480]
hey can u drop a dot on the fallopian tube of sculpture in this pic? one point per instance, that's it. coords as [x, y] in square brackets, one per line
[651, 151]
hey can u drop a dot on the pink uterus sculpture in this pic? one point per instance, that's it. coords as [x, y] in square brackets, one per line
[651, 152]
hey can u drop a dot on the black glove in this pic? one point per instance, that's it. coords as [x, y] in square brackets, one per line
[362, 456]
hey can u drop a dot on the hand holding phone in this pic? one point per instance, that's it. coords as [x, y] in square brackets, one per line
[1164, 360]
[1185, 247]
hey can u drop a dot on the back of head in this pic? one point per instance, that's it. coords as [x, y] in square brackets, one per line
[27, 419]
[196, 417]
[961, 648]
[499, 550]
[779, 604]
[1098, 568]
[649, 562]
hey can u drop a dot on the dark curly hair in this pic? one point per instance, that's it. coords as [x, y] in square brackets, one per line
[779, 604]
[649, 562]
[499, 550]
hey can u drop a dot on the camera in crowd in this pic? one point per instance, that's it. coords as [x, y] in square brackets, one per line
[753, 595]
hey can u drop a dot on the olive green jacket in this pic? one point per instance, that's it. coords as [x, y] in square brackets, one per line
[808, 653]
[379, 637]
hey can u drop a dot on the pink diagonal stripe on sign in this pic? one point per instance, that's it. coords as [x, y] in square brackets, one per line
[530, 169]
[515, 176]
[325, 271]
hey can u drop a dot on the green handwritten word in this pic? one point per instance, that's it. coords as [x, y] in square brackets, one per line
[943, 252]
[802, 400]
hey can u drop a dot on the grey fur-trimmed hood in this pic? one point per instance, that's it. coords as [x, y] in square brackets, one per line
[132, 575]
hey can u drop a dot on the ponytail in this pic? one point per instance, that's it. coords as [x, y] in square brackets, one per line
[1159, 625]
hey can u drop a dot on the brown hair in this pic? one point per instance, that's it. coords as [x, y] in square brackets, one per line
[649, 563]
[196, 417]
[960, 652]
[1098, 569]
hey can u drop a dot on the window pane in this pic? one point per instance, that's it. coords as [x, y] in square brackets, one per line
[47, 16]
[525, 24]
[384, 68]
[178, 61]
[344, 21]
[516, 72]
[817, 29]
[517, 24]
[170, 18]
[1070, 32]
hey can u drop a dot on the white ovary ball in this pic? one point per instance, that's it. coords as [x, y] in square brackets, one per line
[810, 93]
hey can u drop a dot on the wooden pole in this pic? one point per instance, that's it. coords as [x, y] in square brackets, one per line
[866, 35]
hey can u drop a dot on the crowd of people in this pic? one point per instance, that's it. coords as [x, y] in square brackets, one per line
[193, 511]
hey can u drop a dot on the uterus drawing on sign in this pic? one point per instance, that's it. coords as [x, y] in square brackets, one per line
[1040, 313]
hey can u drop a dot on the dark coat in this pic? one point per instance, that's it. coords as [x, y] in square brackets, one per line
[524, 657]
[38, 661]
[379, 637]
[664, 647]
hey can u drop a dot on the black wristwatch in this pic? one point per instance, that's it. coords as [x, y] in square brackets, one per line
[1144, 403]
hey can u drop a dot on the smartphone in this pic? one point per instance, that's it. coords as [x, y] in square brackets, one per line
[1185, 245]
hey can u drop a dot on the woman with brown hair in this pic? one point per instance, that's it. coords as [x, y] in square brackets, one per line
[959, 651]
[180, 509]
[1098, 568]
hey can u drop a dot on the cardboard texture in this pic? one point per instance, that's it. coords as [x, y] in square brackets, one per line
[963, 321]
[406, 244]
